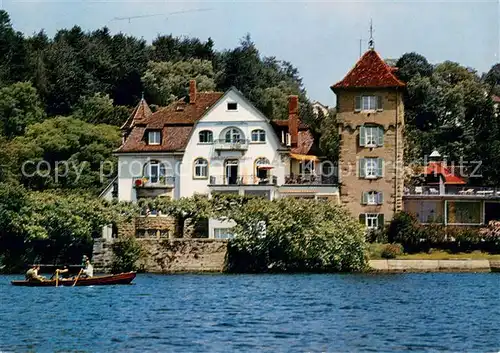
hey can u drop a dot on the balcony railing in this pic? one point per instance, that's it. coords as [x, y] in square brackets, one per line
[162, 181]
[451, 190]
[216, 180]
[235, 145]
[310, 179]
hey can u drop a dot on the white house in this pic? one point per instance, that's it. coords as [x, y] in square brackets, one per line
[219, 143]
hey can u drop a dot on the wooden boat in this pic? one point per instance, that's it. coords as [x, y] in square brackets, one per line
[122, 278]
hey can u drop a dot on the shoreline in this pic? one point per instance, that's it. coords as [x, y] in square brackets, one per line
[419, 266]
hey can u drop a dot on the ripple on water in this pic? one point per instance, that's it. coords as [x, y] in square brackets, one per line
[220, 313]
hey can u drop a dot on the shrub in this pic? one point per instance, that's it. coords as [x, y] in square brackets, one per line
[391, 251]
[295, 235]
[126, 252]
[404, 229]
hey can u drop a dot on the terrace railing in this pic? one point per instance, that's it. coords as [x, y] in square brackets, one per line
[235, 145]
[482, 191]
[162, 181]
[310, 179]
[216, 180]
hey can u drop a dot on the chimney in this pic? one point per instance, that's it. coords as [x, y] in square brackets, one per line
[192, 91]
[293, 119]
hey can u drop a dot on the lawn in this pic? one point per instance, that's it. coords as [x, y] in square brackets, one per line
[375, 250]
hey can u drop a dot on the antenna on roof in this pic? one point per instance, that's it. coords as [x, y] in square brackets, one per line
[371, 42]
[167, 15]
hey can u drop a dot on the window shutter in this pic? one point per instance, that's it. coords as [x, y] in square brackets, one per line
[357, 104]
[380, 136]
[364, 198]
[362, 136]
[380, 167]
[380, 198]
[362, 219]
[362, 163]
[379, 103]
[381, 220]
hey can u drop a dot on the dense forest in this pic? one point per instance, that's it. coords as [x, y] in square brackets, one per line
[62, 99]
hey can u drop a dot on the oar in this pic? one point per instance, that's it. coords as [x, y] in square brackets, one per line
[76, 280]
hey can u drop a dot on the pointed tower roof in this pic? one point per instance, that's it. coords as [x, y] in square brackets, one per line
[369, 72]
[141, 112]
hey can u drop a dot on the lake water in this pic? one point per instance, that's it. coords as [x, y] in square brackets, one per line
[273, 313]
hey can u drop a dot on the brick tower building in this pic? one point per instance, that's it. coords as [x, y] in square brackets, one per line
[370, 116]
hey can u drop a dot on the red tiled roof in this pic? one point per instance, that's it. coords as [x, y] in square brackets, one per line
[175, 122]
[140, 112]
[305, 144]
[305, 141]
[370, 72]
[438, 169]
[495, 98]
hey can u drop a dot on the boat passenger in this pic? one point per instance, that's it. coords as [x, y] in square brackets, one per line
[89, 269]
[32, 274]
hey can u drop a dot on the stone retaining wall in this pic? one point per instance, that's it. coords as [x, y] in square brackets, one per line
[431, 265]
[183, 255]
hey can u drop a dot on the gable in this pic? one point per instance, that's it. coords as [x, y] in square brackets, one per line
[245, 110]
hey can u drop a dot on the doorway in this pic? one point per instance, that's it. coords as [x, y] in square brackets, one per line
[231, 169]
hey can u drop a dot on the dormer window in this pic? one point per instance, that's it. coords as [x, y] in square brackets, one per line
[232, 106]
[154, 137]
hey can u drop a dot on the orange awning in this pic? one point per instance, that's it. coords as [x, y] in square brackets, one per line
[303, 157]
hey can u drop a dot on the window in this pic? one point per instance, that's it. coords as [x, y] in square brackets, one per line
[371, 168]
[372, 198]
[154, 171]
[232, 106]
[258, 136]
[201, 168]
[233, 135]
[368, 103]
[372, 220]
[306, 167]
[223, 233]
[206, 136]
[262, 166]
[154, 138]
[464, 212]
[371, 136]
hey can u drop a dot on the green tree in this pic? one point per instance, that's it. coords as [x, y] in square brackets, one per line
[166, 82]
[13, 55]
[19, 107]
[295, 235]
[99, 109]
[67, 153]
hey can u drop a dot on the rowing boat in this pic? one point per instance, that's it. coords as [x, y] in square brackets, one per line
[122, 278]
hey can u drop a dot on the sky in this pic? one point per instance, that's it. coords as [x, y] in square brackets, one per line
[320, 38]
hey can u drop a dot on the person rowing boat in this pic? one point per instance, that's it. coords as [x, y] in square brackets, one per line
[32, 274]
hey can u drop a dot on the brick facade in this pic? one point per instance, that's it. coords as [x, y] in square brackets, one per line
[391, 119]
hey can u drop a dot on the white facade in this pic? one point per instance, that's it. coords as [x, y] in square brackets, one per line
[221, 158]
[232, 148]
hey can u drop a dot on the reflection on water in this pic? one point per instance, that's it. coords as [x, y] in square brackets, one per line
[275, 313]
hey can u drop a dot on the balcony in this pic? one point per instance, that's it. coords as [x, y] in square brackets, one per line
[160, 182]
[235, 145]
[221, 180]
[453, 191]
[310, 179]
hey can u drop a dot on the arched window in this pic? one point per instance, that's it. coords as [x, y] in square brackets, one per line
[258, 135]
[233, 135]
[262, 167]
[154, 170]
[206, 136]
[201, 168]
